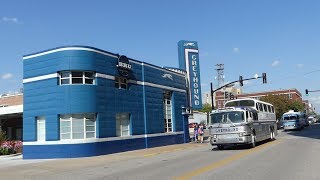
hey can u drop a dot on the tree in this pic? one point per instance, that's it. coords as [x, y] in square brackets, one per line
[296, 106]
[280, 103]
[283, 104]
[206, 108]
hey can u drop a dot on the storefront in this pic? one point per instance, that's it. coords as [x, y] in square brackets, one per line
[82, 101]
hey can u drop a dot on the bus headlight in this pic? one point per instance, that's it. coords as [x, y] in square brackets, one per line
[240, 134]
[214, 136]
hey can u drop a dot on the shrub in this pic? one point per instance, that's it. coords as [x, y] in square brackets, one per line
[3, 136]
[10, 147]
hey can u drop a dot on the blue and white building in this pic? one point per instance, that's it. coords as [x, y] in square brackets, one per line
[82, 101]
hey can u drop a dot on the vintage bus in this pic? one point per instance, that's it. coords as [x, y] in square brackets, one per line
[242, 121]
[294, 120]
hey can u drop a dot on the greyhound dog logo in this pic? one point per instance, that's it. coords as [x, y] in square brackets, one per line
[169, 76]
[189, 44]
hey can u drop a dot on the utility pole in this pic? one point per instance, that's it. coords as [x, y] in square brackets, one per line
[220, 74]
[220, 78]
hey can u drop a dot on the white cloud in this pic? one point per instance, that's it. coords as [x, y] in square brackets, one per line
[7, 76]
[236, 50]
[275, 63]
[300, 65]
[13, 20]
[315, 100]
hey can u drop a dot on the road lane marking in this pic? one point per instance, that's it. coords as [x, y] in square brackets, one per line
[152, 154]
[225, 161]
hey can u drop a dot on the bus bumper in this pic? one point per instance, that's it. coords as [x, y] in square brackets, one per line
[230, 141]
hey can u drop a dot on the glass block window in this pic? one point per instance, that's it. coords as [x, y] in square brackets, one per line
[77, 126]
[123, 124]
[41, 128]
[76, 77]
[121, 83]
[167, 112]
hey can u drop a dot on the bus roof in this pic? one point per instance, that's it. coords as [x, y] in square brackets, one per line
[255, 100]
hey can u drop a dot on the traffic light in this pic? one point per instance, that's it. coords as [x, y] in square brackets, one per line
[240, 80]
[264, 78]
[307, 92]
[226, 95]
[231, 96]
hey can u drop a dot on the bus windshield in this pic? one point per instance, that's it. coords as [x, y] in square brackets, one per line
[249, 103]
[293, 117]
[227, 117]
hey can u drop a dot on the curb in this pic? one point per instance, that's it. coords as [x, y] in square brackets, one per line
[10, 155]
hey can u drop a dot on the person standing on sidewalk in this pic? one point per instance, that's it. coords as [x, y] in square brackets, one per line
[200, 133]
[195, 131]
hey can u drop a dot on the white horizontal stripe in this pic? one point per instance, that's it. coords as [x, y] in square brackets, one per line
[83, 141]
[162, 69]
[162, 87]
[105, 76]
[68, 49]
[39, 78]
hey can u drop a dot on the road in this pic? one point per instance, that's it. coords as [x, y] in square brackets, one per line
[294, 155]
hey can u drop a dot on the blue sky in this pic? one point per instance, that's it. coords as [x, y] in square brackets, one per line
[280, 38]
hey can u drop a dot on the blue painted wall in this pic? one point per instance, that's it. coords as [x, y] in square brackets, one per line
[47, 98]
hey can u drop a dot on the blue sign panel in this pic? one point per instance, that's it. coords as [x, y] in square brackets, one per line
[189, 61]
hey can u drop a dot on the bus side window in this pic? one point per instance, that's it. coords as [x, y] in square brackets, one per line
[247, 115]
[255, 116]
[272, 109]
[265, 108]
[269, 108]
[260, 107]
[257, 106]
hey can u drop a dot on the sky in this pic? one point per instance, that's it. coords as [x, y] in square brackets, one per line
[277, 37]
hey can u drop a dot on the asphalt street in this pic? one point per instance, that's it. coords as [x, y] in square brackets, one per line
[293, 155]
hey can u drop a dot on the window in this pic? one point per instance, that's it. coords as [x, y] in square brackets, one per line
[41, 128]
[290, 96]
[167, 111]
[265, 108]
[123, 124]
[121, 83]
[269, 108]
[77, 126]
[77, 77]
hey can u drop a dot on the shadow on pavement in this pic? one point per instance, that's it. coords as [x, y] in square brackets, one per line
[239, 147]
[312, 131]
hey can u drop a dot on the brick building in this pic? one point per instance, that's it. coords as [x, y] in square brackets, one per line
[221, 98]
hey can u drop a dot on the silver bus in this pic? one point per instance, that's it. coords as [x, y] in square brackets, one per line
[242, 121]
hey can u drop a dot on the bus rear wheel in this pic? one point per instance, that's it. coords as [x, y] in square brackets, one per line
[253, 141]
[272, 136]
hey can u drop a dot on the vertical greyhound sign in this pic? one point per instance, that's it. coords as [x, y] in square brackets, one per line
[189, 61]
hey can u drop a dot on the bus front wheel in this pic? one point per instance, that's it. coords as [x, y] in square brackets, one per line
[220, 147]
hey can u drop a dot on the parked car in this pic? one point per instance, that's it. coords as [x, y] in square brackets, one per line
[191, 125]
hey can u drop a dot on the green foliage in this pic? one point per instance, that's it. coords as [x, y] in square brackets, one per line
[206, 108]
[4, 151]
[283, 104]
[3, 137]
[296, 106]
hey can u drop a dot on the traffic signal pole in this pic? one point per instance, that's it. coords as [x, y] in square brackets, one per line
[307, 91]
[264, 81]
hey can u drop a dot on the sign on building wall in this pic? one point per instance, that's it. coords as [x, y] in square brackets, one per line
[189, 61]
